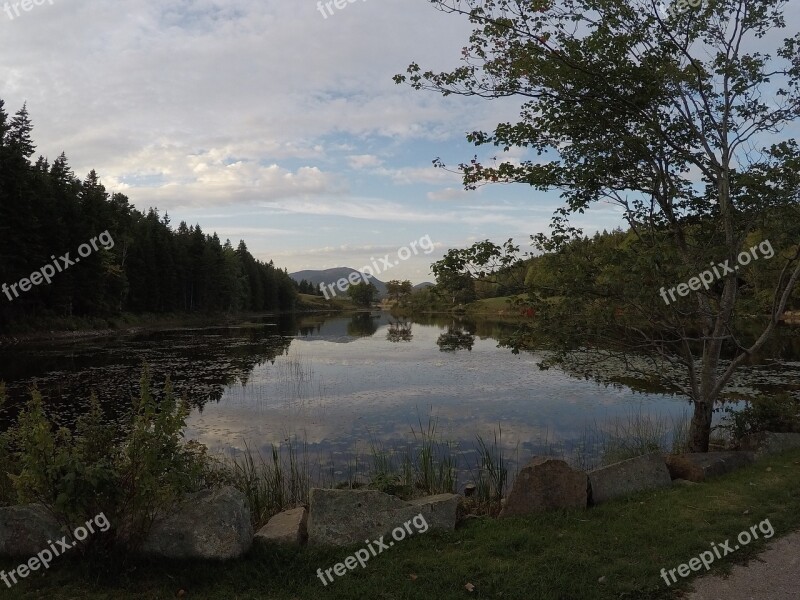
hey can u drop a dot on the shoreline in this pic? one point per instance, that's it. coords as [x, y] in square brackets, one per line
[135, 324]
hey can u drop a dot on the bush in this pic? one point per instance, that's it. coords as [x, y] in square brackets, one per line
[7, 462]
[129, 471]
[780, 413]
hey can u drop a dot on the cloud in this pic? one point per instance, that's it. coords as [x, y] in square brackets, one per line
[449, 193]
[363, 161]
[415, 175]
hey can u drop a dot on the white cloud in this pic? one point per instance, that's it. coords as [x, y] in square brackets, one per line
[448, 193]
[363, 161]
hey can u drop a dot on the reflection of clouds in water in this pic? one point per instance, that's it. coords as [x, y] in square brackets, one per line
[374, 389]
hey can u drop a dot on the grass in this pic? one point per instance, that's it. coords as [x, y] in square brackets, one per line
[553, 556]
[271, 484]
[428, 464]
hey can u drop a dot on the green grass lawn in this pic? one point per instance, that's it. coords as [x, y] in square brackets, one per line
[559, 555]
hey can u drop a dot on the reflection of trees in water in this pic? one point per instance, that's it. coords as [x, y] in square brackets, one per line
[200, 364]
[362, 325]
[399, 331]
[455, 338]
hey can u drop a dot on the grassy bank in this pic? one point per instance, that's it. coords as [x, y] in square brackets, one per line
[74, 327]
[57, 327]
[560, 555]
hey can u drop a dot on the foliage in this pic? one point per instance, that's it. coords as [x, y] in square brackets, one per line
[129, 471]
[45, 211]
[271, 484]
[779, 413]
[552, 555]
[399, 290]
[306, 287]
[362, 293]
[8, 464]
[484, 266]
[681, 125]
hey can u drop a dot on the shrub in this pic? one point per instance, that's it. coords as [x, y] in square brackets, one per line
[129, 471]
[780, 413]
[7, 462]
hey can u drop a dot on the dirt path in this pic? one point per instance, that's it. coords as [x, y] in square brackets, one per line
[772, 575]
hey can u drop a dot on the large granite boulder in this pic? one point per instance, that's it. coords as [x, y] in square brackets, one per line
[26, 530]
[546, 483]
[646, 472]
[289, 528]
[699, 466]
[345, 517]
[766, 443]
[212, 524]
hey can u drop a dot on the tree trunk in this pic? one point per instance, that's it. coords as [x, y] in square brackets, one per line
[700, 427]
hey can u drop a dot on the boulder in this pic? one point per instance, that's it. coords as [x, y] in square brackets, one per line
[212, 524]
[345, 517]
[627, 477]
[289, 527]
[766, 443]
[546, 483]
[699, 466]
[26, 530]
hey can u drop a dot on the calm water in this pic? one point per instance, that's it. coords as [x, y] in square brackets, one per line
[339, 382]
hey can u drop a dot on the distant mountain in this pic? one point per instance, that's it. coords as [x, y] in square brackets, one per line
[422, 286]
[329, 276]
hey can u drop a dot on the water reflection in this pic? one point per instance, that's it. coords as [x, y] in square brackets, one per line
[338, 382]
[363, 325]
[399, 331]
[455, 339]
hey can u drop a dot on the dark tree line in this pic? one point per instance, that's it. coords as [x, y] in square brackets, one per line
[46, 211]
[306, 287]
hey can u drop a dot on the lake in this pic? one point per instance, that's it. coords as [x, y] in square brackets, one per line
[338, 384]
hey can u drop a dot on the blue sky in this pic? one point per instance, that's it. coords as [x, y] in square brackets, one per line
[267, 122]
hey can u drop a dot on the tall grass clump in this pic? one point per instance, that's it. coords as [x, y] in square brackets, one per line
[433, 465]
[639, 433]
[273, 483]
[491, 481]
[427, 465]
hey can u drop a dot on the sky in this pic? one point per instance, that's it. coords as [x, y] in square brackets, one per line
[269, 121]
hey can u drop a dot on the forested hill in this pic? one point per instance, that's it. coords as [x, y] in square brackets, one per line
[120, 260]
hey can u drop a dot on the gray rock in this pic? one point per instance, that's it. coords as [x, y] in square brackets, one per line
[212, 524]
[699, 466]
[345, 517]
[767, 443]
[646, 472]
[546, 483]
[26, 530]
[289, 527]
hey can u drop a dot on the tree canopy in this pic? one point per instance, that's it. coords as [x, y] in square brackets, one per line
[45, 211]
[678, 123]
